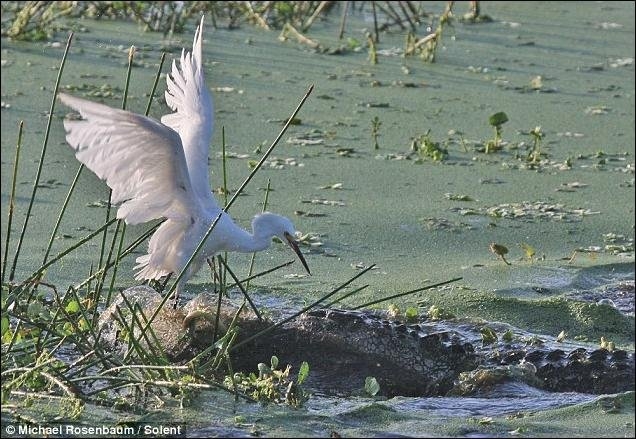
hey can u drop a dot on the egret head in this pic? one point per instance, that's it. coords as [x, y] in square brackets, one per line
[269, 225]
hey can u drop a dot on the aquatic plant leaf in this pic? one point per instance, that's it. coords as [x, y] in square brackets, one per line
[371, 386]
[83, 324]
[528, 250]
[488, 335]
[72, 307]
[393, 311]
[5, 325]
[437, 313]
[536, 83]
[458, 197]
[507, 336]
[68, 328]
[607, 344]
[410, 314]
[303, 372]
[332, 186]
[561, 336]
[263, 370]
[498, 119]
[36, 309]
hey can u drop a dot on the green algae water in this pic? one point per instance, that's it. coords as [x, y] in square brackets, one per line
[565, 68]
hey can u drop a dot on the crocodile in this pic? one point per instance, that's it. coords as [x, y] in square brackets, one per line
[343, 347]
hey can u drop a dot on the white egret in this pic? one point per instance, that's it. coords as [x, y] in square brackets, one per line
[160, 170]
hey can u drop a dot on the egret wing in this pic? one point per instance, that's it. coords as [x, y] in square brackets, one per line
[141, 160]
[193, 116]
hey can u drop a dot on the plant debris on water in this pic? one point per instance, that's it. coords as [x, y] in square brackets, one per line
[529, 211]
[272, 384]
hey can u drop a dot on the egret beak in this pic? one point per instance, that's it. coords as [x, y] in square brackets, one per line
[294, 246]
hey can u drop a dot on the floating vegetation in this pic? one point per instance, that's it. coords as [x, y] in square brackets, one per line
[570, 134]
[50, 184]
[561, 337]
[458, 197]
[608, 25]
[272, 385]
[507, 336]
[337, 186]
[524, 163]
[437, 313]
[528, 251]
[426, 148]
[313, 137]
[393, 156]
[496, 121]
[277, 163]
[596, 110]
[227, 90]
[494, 180]
[100, 204]
[375, 104]
[621, 62]
[571, 186]
[363, 266]
[433, 223]
[607, 344]
[371, 386]
[618, 244]
[529, 211]
[304, 142]
[309, 214]
[536, 83]
[96, 91]
[410, 314]
[309, 240]
[345, 152]
[488, 335]
[324, 202]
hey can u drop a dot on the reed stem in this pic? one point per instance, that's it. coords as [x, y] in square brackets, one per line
[395, 296]
[38, 173]
[302, 311]
[18, 146]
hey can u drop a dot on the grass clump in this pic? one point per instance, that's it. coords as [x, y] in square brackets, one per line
[426, 148]
[272, 384]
